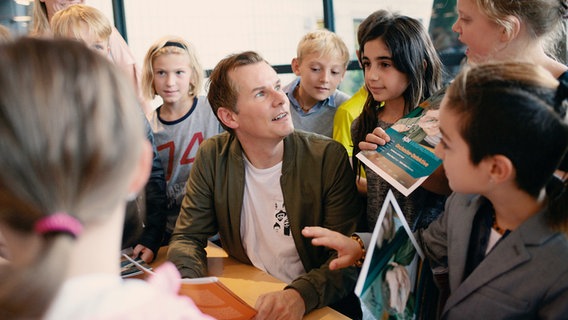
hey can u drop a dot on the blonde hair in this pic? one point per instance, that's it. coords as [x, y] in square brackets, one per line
[69, 145]
[171, 45]
[542, 18]
[67, 23]
[5, 34]
[324, 42]
[40, 22]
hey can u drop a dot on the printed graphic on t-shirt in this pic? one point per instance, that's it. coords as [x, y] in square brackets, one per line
[175, 194]
[281, 224]
[173, 156]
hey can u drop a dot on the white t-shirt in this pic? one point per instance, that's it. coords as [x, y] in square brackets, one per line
[494, 237]
[265, 229]
[107, 296]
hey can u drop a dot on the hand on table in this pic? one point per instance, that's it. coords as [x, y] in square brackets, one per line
[374, 139]
[348, 250]
[145, 254]
[285, 304]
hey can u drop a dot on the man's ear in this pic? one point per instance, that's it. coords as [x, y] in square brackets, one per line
[509, 35]
[296, 66]
[227, 117]
[501, 169]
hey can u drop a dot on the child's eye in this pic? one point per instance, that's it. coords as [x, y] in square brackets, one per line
[315, 69]
[160, 73]
[335, 72]
[385, 65]
[180, 72]
[99, 47]
[366, 64]
[464, 19]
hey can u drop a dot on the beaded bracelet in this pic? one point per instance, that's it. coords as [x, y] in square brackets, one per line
[359, 263]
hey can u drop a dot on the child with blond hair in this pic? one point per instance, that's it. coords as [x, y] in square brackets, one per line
[84, 23]
[89, 25]
[45, 10]
[74, 150]
[320, 64]
[172, 71]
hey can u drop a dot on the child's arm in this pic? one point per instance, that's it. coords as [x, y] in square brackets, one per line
[433, 239]
[554, 304]
[155, 195]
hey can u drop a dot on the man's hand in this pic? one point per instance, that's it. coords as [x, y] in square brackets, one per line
[145, 254]
[374, 139]
[285, 304]
[348, 250]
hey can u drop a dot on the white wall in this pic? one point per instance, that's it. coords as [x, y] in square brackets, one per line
[220, 27]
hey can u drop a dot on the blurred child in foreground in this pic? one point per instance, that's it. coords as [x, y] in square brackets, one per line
[74, 150]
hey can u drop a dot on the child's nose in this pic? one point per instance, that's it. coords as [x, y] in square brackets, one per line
[373, 73]
[455, 27]
[170, 79]
[325, 77]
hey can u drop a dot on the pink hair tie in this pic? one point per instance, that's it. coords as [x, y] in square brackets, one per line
[59, 222]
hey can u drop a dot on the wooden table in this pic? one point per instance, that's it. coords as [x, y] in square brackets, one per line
[247, 281]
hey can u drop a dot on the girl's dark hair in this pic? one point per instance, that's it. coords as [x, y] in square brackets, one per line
[412, 53]
[515, 110]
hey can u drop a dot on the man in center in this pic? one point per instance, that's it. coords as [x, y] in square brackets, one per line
[258, 185]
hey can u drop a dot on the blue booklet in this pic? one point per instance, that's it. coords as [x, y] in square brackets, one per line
[402, 162]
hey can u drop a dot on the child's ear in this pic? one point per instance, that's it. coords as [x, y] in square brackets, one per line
[502, 169]
[296, 66]
[227, 117]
